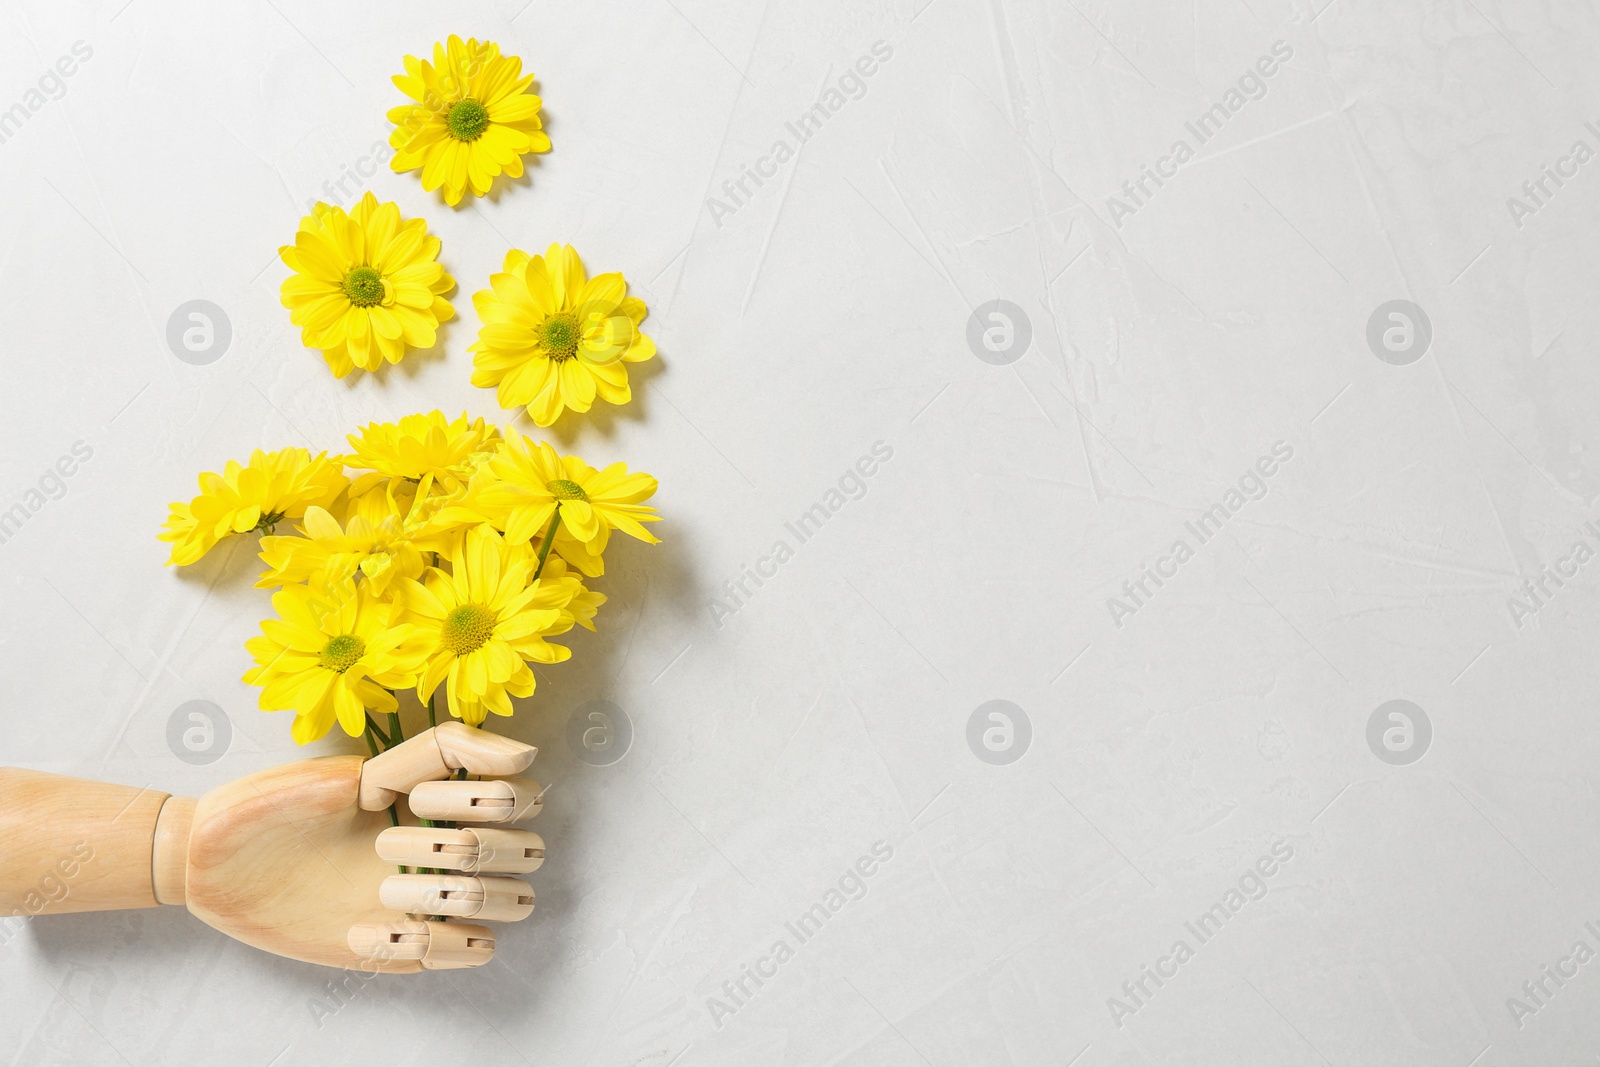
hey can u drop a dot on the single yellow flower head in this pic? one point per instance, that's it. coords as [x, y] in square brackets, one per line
[476, 627]
[274, 486]
[473, 118]
[374, 540]
[553, 338]
[586, 556]
[524, 483]
[328, 656]
[366, 285]
[427, 446]
[585, 602]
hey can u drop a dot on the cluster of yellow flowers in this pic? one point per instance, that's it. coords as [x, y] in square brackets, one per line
[440, 553]
[367, 285]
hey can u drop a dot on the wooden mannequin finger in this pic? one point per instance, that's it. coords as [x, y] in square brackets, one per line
[493, 800]
[382, 942]
[437, 946]
[481, 751]
[433, 755]
[437, 847]
[508, 851]
[432, 894]
[487, 899]
[471, 850]
[453, 946]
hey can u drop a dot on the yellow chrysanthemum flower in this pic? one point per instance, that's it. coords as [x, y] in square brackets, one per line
[374, 540]
[553, 338]
[473, 118]
[366, 285]
[583, 555]
[328, 656]
[273, 487]
[525, 485]
[585, 602]
[476, 627]
[422, 448]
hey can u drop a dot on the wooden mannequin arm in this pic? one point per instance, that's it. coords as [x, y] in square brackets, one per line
[70, 844]
[298, 859]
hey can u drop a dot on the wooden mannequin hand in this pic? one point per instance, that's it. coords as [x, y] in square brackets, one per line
[300, 859]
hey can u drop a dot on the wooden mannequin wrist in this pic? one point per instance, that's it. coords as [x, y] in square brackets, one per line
[69, 844]
[169, 855]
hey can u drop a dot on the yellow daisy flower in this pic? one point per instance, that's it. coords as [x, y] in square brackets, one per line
[553, 338]
[374, 540]
[585, 602]
[273, 487]
[473, 118]
[583, 555]
[366, 285]
[329, 655]
[421, 448]
[525, 486]
[477, 626]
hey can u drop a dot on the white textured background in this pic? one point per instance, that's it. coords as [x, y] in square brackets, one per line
[830, 712]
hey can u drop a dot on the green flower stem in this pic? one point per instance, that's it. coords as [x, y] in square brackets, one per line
[433, 714]
[396, 735]
[549, 539]
[374, 732]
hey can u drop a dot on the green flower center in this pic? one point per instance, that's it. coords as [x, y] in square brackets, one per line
[466, 628]
[342, 652]
[364, 287]
[559, 335]
[562, 489]
[467, 119]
